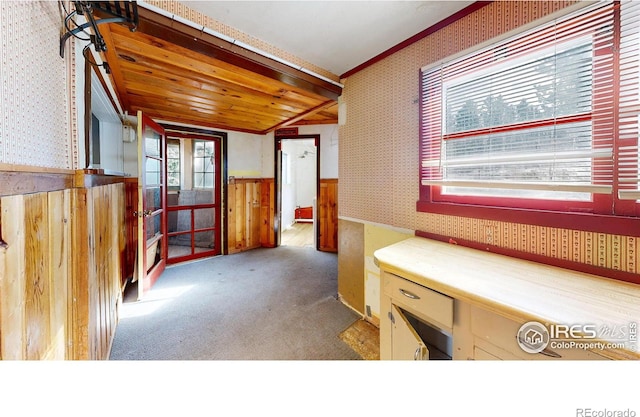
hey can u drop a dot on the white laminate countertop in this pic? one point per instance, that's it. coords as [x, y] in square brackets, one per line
[519, 289]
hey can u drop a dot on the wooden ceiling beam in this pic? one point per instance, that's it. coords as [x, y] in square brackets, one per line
[194, 119]
[180, 63]
[116, 74]
[169, 30]
[302, 116]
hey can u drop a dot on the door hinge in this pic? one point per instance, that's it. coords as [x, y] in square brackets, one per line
[393, 320]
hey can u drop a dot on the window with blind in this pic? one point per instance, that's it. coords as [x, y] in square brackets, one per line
[548, 119]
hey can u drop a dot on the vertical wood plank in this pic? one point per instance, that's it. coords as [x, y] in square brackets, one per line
[12, 282]
[96, 290]
[272, 213]
[131, 228]
[118, 243]
[328, 215]
[37, 285]
[253, 213]
[80, 270]
[248, 200]
[267, 211]
[240, 215]
[59, 254]
[231, 217]
[3, 272]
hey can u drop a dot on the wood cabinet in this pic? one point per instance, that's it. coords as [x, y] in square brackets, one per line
[440, 300]
[416, 322]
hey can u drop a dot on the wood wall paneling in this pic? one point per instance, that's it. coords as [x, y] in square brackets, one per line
[351, 264]
[267, 213]
[80, 275]
[36, 284]
[105, 225]
[250, 214]
[231, 217]
[60, 255]
[60, 272]
[328, 215]
[130, 229]
[34, 288]
[12, 282]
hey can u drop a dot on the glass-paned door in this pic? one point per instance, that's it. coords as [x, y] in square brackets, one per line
[194, 208]
[151, 203]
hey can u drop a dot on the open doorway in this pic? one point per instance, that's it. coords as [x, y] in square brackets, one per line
[298, 190]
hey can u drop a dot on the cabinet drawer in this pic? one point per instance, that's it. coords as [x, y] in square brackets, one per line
[429, 305]
[502, 333]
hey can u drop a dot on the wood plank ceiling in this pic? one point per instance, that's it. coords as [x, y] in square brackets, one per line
[177, 74]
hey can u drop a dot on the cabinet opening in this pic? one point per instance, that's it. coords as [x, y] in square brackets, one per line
[439, 342]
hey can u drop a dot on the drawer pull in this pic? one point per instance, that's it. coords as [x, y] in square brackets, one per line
[416, 354]
[409, 294]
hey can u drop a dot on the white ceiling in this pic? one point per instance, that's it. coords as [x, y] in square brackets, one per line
[334, 35]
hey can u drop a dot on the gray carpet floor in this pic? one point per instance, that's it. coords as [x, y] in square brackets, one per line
[263, 304]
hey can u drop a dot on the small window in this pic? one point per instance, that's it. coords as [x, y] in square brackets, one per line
[95, 142]
[173, 164]
[548, 119]
[203, 163]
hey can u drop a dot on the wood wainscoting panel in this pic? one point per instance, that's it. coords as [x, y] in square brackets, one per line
[34, 279]
[267, 213]
[245, 207]
[12, 280]
[103, 275]
[37, 286]
[80, 271]
[328, 215]
[60, 258]
[98, 227]
[60, 272]
[351, 265]
[128, 253]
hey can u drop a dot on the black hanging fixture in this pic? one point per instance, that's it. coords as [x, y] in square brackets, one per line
[123, 12]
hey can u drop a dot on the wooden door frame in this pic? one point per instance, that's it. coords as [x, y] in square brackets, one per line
[278, 187]
[190, 131]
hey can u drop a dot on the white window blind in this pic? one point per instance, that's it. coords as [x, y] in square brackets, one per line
[629, 103]
[551, 113]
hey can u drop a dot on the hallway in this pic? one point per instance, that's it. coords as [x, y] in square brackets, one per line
[264, 304]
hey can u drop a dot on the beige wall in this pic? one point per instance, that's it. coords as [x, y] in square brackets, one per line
[378, 166]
